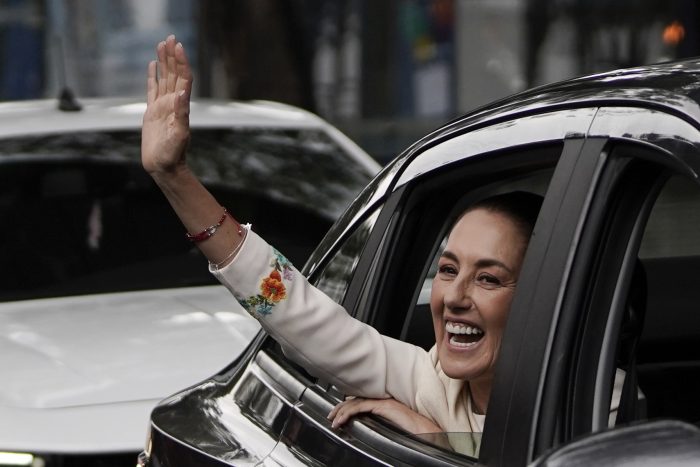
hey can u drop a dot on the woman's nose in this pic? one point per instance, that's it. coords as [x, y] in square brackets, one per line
[459, 294]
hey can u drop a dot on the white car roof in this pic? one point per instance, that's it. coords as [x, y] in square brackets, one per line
[36, 117]
[16, 118]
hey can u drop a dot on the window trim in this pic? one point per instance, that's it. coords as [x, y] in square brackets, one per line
[613, 232]
[585, 406]
[356, 295]
[409, 195]
[416, 193]
[590, 415]
[515, 421]
[368, 279]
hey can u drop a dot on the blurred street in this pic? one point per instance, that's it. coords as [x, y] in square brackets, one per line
[384, 72]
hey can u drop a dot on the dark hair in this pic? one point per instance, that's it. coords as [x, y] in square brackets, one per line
[522, 207]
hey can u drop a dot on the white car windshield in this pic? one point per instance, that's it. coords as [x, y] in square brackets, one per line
[80, 215]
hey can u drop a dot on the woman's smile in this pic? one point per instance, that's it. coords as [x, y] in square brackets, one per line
[463, 336]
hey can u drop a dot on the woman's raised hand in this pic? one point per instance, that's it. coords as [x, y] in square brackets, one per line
[164, 138]
[166, 126]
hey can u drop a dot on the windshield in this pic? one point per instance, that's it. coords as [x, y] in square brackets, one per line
[80, 215]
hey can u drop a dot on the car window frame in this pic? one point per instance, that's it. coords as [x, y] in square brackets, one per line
[670, 143]
[412, 196]
[368, 224]
[405, 197]
[361, 299]
[513, 419]
[593, 377]
[549, 428]
[531, 430]
[595, 297]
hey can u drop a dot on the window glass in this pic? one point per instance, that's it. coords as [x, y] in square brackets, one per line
[299, 166]
[466, 444]
[335, 277]
[86, 218]
[668, 359]
[674, 224]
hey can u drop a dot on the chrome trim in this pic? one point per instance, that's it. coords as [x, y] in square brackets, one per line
[550, 126]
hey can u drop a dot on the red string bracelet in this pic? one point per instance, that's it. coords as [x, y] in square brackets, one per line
[209, 231]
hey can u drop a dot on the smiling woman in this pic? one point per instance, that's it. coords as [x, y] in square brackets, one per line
[472, 292]
[446, 389]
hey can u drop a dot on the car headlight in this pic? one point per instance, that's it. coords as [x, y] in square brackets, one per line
[20, 459]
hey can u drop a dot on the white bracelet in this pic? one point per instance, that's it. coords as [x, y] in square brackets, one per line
[217, 266]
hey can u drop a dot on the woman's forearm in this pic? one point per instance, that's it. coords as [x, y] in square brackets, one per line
[198, 209]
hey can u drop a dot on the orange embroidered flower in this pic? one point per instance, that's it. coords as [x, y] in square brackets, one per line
[272, 287]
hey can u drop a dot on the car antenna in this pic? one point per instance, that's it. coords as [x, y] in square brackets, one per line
[66, 99]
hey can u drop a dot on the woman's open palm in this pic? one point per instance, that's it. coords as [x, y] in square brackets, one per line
[166, 127]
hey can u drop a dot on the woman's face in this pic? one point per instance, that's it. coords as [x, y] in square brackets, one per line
[473, 290]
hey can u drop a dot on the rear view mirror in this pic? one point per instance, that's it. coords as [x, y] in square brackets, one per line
[663, 442]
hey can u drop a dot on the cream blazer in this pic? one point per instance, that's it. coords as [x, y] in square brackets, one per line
[321, 336]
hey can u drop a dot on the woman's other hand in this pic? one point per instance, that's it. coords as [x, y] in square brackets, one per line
[390, 409]
[166, 127]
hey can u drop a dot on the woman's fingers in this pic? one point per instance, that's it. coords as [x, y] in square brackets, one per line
[165, 130]
[345, 410]
[390, 409]
[335, 414]
[183, 82]
[170, 62]
[152, 83]
[171, 74]
[182, 70]
[162, 68]
[334, 411]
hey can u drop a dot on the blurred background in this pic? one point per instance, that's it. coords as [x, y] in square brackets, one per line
[385, 72]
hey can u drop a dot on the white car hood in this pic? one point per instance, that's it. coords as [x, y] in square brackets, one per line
[64, 355]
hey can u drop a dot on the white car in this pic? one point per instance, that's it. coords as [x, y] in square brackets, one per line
[105, 307]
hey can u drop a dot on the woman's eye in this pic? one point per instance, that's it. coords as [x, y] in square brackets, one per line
[488, 279]
[447, 269]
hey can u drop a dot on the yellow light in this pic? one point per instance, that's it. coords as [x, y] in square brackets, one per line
[16, 458]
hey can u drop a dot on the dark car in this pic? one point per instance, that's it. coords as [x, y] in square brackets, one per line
[611, 281]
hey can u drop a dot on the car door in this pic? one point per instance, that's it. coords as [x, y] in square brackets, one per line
[387, 289]
[581, 358]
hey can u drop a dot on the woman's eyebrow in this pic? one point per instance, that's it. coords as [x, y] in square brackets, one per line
[449, 255]
[482, 263]
[489, 262]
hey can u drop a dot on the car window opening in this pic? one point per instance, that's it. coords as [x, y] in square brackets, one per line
[667, 355]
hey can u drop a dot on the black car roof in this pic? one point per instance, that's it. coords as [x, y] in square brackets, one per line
[672, 87]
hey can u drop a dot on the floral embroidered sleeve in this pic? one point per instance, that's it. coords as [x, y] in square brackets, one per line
[272, 289]
[318, 333]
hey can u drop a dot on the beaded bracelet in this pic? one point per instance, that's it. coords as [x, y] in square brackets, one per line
[209, 231]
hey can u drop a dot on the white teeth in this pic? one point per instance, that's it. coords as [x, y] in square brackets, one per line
[459, 328]
[456, 343]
